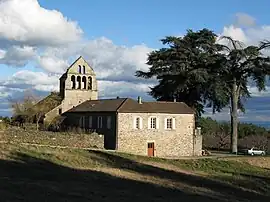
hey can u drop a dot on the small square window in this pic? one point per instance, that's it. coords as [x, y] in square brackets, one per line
[169, 123]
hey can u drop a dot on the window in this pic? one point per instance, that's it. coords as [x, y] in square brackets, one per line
[82, 122]
[73, 82]
[78, 82]
[99, 122]
[90, 122]
[84, 82]
[90, 83]
[80, 69]
[109, 122]
[138, 123]
[153, 123]
[60, 110]
[83, 69]
[169, 123]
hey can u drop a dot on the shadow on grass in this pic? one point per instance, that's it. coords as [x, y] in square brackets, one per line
[229, 191]
[34, 179]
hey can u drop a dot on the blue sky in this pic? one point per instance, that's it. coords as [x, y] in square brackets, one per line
[114, 37]
[140, 21]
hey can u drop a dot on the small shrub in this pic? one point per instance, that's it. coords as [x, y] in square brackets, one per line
[3, 126]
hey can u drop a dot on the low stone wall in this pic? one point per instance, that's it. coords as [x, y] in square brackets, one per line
[18, 135]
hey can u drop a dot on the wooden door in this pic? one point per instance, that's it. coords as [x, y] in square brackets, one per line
[151, 149]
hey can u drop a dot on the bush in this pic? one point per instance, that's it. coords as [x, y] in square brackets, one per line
[3, 126]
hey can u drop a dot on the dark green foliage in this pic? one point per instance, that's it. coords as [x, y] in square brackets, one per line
[211, 127]
[197, 70]
[182, 70]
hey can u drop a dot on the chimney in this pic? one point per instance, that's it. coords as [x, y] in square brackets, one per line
[139, 100]
[174, 100]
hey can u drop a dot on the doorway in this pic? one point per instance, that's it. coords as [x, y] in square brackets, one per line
[151, 148]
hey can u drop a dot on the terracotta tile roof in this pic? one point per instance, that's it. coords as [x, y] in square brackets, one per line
[127, 105]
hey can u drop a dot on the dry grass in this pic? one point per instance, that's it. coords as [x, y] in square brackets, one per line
[263, 162]
[38, 173]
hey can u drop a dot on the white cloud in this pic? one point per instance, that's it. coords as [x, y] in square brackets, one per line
[249, 36]
[25, 21]
[256, 93]
[17, 56]
[25, 79]
[28, 30]
[243, 19]
[123, 89]
[114, 62]
[236, 33]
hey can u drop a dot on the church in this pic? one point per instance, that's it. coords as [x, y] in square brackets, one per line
[162, 129]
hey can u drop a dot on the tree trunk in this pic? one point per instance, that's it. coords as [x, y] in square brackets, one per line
[234, 117]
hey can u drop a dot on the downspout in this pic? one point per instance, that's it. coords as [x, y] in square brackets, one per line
[116, 130]
[194, 134]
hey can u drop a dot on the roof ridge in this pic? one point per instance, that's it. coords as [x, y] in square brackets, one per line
[121, 104]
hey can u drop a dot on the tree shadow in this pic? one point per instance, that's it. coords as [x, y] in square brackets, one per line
[32, 179]
[222, 188]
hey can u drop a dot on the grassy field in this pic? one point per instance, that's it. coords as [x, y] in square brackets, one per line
[29, 173]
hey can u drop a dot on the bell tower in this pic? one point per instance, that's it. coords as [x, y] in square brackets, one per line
[78, 84]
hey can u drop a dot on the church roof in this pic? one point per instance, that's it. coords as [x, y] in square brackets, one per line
[128, 105]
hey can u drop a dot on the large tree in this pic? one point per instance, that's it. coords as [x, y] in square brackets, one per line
[32, 108]
[182, 69]
[197, 70]
[238, 65]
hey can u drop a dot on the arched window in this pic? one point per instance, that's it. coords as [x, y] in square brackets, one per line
[89, 83]
[73, 82]
[84, 69]
[84, 82]
[80, 69]
[78, 82]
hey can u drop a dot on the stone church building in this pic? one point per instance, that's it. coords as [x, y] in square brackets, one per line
[162, 129]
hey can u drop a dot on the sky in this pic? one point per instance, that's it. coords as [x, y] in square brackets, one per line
[40, 39]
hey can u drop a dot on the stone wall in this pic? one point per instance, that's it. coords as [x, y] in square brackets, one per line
[168, 143]
[18, 135]
[52, 114]
[197, 142]
[74, 97]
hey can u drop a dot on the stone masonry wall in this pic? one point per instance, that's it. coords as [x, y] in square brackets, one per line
[52, 114]
[198, 142]
[75, 97]
[19, 136]
[168, 143]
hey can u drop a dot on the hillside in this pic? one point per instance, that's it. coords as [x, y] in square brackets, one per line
[38, 173]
